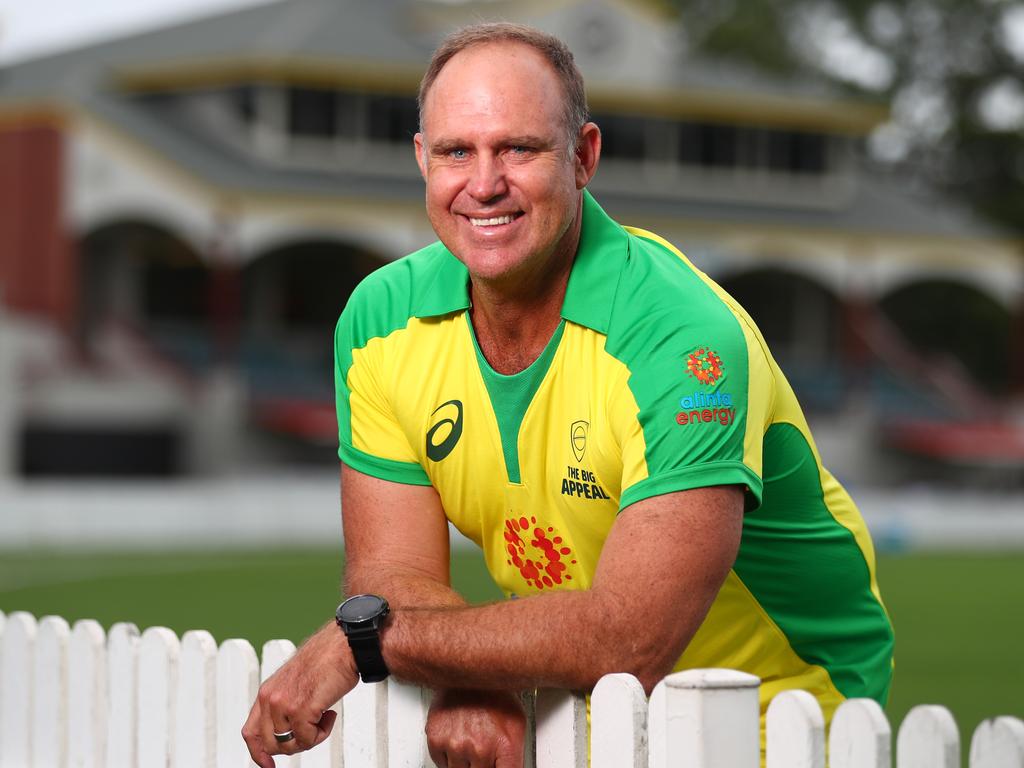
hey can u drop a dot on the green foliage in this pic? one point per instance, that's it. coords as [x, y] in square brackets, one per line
[937, 63]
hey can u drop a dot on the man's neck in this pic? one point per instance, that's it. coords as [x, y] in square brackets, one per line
[512, 333]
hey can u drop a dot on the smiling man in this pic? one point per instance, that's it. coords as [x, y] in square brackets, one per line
[599, 416]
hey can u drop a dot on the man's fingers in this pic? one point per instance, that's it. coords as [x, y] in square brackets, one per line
[509, 757]
[251, 734]
[325, 726]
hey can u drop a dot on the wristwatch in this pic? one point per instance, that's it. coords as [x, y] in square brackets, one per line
[360, 618]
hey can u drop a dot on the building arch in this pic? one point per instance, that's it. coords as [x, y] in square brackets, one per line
[141, 276]
[292, 297]
[956, 321]
[803, 322]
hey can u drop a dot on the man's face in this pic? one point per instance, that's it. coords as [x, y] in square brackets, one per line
[502, 184]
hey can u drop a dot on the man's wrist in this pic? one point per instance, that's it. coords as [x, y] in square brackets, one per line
[361, 618]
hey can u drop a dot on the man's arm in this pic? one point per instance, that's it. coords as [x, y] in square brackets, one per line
[659, 571]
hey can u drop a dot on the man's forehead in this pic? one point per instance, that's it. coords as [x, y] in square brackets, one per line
[501, 77]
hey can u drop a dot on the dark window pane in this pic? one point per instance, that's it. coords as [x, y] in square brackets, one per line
[351, 115]
[810, 153]
[781, 150]
[312, 112]
[622, 137]
[718, 146]
[244, 101]
[690, 138]
[393, 118]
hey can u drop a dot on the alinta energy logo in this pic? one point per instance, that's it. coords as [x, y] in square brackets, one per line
[444, 435]
[705, 365]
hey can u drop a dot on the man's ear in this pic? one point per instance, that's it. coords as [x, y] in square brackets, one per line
[420, 146]
[588, 154]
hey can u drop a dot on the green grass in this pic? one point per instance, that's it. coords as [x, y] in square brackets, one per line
[959, 618]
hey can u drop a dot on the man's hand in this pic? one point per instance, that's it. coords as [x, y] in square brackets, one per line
[476, 729]
[297, 697]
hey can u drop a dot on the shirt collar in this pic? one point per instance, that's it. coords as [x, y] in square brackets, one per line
[601, 254]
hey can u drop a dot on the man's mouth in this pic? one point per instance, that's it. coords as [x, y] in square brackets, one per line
[494, 221]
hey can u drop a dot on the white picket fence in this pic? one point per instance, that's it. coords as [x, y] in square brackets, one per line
[76, 697]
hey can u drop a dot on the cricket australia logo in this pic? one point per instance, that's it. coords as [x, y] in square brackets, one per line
[444, 435]
[578, 439]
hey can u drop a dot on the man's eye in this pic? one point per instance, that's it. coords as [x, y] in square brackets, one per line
[459, 154]
[519, 149]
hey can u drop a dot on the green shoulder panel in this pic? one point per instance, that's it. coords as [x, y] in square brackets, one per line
[687, 357]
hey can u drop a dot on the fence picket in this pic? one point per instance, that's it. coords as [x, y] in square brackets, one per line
[618, 723]
[561, 728]
[795, 731]
[328, 753]
[275, 653]
[364, 709]
[122, 692]
[195, 718]
[159, 650]
[657, 738]
[238, 672]
[860, 736]
[49, 701]
[928, 738]
[998, 743]
[712, 719]
[87, 695]
[70, 698]
[16, 695]
[407, 717]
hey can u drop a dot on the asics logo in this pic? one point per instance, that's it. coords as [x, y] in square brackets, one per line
[445, 434]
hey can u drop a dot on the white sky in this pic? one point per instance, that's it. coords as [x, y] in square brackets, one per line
[32, 27]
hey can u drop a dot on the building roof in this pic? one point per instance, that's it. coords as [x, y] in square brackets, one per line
[632, 59]
[384, 44]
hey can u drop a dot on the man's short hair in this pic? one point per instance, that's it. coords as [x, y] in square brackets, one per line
[550, 47]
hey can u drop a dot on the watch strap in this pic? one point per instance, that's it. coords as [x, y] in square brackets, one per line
[365, 647]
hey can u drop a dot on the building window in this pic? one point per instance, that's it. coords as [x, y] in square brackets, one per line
[393, 119]
[243, 101]
[622, 138]
[312, 112]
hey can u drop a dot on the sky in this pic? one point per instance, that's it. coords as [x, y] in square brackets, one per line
[32, 27]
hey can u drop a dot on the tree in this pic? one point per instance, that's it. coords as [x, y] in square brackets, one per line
[951, 69]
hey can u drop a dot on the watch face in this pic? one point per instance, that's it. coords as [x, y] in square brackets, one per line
[361, 608]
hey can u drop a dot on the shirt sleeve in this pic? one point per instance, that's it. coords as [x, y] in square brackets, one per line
[699, 395]
[370, 439]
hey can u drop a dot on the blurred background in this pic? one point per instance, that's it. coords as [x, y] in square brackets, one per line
[189, 191]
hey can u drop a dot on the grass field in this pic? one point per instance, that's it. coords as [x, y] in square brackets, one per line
[959, 618]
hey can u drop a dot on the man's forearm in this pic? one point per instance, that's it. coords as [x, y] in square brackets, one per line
[562, 639]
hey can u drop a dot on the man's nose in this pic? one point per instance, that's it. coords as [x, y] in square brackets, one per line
[487, 178]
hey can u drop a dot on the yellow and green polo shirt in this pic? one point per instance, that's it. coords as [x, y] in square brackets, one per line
[655, 381]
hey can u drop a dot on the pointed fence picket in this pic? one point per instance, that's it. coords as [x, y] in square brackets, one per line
[72, 697]
[49, 680]
[122, 693]
[87, 695]
[795, 731]
[928, 738]
[195, 716]
[860, 736]
[618, 719]
[17, 651]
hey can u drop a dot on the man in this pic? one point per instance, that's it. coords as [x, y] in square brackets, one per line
[593, 411]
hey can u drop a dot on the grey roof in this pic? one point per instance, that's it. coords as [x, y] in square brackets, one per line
[397, 34]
